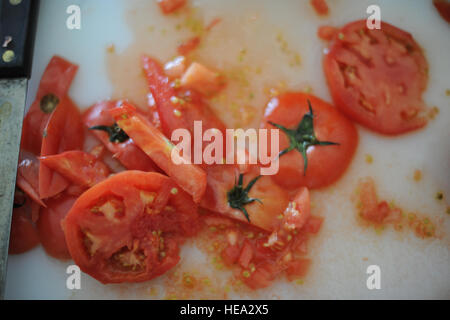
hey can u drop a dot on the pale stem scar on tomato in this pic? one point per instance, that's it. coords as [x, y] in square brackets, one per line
[48, 103]
[238, 196]
[116, 134]
[302, 137]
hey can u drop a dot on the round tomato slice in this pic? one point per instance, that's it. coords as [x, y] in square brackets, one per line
[377, 77]
[128, 227]
[325, 163]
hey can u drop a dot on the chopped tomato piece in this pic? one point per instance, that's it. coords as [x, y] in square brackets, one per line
[313, 224]
[128, 227]
[298, 211]
[176, 67]
[64, 131]
[49, 226]
[54, 85]
[28, 176]
[326, 32]
[443, 7]
[170, 6]
[246, 255]
[230, 254]
[23, 236]
[188, 176]
[78, 167]
[320, 6]
[202, 79]
[186, 47]
[262, 277]
[129, 155]
[371, 209]
[297, 269]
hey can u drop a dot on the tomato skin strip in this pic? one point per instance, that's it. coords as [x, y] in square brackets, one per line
[189, 177]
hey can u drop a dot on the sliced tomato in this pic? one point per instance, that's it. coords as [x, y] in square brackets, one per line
[64, 131]
[28, 176]
[23, 236]
[377, 77]
[326, 163]
[54, 85]
[130, 155]
[188, 176]
[170, 6]
[49, 226]
[128, 227]
[78, 167]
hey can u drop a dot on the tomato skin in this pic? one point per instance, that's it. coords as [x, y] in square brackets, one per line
[64, 131]
[49, 226]
[187, 175]
[127, 152]
[56, 79]
[78, 167]
[135, 227]
[326, 164]
[377, 77]
[23, 236]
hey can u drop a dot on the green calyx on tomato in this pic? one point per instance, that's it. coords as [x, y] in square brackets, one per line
[302, 137]
[238, 196]
[48, 103]
[116, 134]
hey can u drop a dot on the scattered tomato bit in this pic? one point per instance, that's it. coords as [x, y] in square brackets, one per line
[170, 6]
[326, 32]
[320, 6]
[176, 67]
[417, 175]
[369, 158]
[202, 79]
[213, 23]
[379, 213]
[187, 47]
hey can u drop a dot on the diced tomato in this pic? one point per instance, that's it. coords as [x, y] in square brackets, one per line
[188, 176]
[130, 155]
[54, 85]
[170, 6]
[64, 131]
[202, 79]
[298, 211]
[298, 269]
[49, 226]
[320, 6]
[186, 47]
[326, 32]
[262, 277]
[176, 67]
[23, 236]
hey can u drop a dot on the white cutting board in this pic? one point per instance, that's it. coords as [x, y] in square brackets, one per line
[410, 267]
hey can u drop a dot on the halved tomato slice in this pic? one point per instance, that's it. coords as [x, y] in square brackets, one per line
[128, 227]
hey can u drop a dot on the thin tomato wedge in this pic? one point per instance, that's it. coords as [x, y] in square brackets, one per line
[78, 167]
[129, 155]
[128, 227]
[54, 85]
[188, 176]
[49, 226]
[64, 131]
[325, 163]
[377, 77]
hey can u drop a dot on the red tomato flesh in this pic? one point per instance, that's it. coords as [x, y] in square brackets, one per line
[377, 77]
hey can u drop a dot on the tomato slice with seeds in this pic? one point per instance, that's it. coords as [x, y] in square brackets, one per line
[54, 85]
[79, 167]
[377, 77]
[127, 152]
[325, 163]
[64, 131]
[187, 175]
[128, 227]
